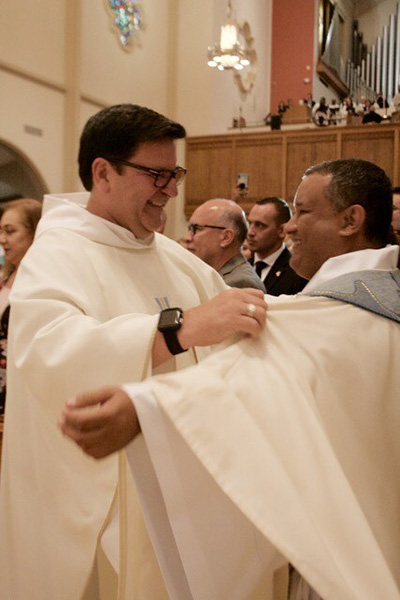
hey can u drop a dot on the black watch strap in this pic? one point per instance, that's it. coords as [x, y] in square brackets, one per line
[171, 339]
[169, 324]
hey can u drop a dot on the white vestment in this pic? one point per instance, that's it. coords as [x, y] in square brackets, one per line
[84, 311]
[287, 446]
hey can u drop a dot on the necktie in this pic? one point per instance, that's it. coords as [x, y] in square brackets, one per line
[260, 265]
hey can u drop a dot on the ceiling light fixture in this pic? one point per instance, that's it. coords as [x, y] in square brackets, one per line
[229, 53]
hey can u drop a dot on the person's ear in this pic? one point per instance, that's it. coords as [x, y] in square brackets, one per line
[352, 220]
[227, 237]
[101, 170]
[281, 231]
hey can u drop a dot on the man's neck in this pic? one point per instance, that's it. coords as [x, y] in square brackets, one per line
[96, 207]
[225, 257]
[264, 255]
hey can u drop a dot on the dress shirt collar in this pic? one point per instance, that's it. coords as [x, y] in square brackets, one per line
[271, 258]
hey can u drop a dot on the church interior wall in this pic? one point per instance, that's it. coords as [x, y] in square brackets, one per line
[166, 70]
[32, 121]
[208, 100]
[114, 75]
[372, 17]
[292, 51]
[32, 37]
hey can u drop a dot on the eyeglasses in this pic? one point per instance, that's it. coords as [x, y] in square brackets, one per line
[162, 177]
[194, 227]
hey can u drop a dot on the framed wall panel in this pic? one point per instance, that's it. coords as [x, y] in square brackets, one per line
[261, 158]
[376, 146]
[304, 151]
[209, 171]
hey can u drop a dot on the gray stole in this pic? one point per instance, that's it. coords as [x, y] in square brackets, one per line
[376, 291]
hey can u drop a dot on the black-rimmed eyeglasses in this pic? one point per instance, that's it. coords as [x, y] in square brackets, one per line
[194, 227]
[162, 177]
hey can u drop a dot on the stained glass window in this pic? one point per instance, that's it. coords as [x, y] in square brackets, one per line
[126, 18]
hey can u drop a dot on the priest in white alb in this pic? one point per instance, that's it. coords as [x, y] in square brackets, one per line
[95, 300]
[284, 448]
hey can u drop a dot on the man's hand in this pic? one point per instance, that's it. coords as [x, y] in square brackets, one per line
[238, 194]
[233, 311]
[100, 422]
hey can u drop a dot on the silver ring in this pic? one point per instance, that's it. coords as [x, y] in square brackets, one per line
[251, 309]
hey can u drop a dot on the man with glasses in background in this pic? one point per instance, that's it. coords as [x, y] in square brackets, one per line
[216, 232]
[100, 298]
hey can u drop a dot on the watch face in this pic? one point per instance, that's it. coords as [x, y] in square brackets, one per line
[170, 319]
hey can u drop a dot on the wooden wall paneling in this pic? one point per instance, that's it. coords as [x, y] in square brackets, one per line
[376, 145]
[261, 158]
[209, 171]
[276, 160]
[304, 151]
[339, 144]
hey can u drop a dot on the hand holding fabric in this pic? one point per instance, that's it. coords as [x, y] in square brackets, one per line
[231, 312]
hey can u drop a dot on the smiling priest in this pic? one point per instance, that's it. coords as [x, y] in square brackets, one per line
[285, 448]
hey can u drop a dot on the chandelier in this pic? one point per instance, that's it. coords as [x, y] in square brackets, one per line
[229, 53]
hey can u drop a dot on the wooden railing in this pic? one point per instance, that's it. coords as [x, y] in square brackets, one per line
[276, 160]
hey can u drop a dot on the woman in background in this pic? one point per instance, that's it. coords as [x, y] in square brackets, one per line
[18, 224]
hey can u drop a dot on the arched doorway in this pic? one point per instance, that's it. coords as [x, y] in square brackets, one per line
[18, 176]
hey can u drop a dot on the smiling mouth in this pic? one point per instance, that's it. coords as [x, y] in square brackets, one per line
[152, 203]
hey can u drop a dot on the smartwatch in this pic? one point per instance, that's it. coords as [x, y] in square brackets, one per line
[169, 323]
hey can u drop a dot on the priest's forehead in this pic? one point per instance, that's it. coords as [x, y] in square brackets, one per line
[312, 190]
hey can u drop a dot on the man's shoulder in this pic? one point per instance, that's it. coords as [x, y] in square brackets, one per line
[282, 279]
[237, 272]
[188, 262]
[283, 258]
[375, 290]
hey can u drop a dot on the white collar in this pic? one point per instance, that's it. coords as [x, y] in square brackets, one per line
[68, 211]
[271, 258]
[382, 259]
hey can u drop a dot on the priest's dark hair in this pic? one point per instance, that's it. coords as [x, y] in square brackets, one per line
[357, 181]
[118, 131]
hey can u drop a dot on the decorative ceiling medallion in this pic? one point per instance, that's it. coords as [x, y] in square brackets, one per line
[245, 79]
[126, 19]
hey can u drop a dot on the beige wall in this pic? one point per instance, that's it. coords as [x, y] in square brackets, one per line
[28, 104]
[61, 61]
[114, 75]
[208, 100]
[32, 37]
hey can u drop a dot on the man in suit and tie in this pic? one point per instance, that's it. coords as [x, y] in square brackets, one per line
[265, 238]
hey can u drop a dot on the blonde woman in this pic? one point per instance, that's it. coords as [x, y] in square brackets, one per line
[17, 229]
